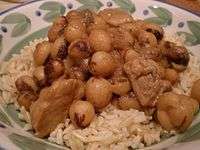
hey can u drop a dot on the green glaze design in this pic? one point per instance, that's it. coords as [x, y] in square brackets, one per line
[190, 39]
[20, 29]
[13, 114]
[22, 23]
[126, 5]
[4, 118]
[194, 27]
[50, 17]
[90, 4]
[193, 38]
[54, 9]
[192, 133]
[1, 43]
[28, 143]
[36, 35]
[156, 20]
[164, 16]
[14, 18]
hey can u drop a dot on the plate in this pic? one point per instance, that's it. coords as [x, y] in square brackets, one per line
[24, 23]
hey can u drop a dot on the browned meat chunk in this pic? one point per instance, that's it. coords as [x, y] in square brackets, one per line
[145, 76]
[115, 16]
[151, 53]
[121, 38]
[53, 105]
[176, 111]
[26, 99]
[178, 56]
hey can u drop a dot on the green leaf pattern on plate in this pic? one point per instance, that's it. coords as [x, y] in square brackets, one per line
[90, 4]
[156, 20]
[194, 27]
[20, 29]
[4, 118]
[49, 17]
[22, 23]
[191, 132]
[164, 16]
[54, 9]
[190, 39]
[14, 18]
[28, 143]
[127, 5]
[13, 114]
[42, 33]
[193, 38]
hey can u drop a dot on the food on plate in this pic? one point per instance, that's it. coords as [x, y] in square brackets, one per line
[171, 75]
[53, 105]
[42, 52]
[178, 56]
[176, 111]
[104, 81]
[146, 81]
[101, 64]
[79, 49]
[39, 76]
[26, 99]
[195, 90]
[120, 85]
[127, 102]
[57, 28]
[59, 48]
[100, 40]
[115, 17]
[98, 91]
[75, 29]
[26, 83]
[81, 113]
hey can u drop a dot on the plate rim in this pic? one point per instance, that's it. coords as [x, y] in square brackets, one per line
[33, 1]
[18, 6]
[161, 1]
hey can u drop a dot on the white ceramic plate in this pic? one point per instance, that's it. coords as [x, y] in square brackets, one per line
[30, 21]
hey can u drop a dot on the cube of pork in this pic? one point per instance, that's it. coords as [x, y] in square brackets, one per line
[146, 80]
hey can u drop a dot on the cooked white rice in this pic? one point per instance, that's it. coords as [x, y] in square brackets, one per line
[18, 65]
[112, 129]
